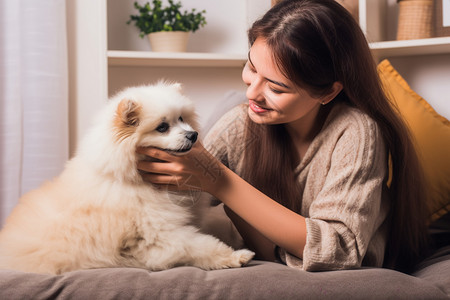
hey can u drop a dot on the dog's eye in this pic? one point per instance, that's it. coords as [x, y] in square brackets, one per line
[180, 119]
[163, 127]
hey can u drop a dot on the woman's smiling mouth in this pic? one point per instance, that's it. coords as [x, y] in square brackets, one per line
[256, 108]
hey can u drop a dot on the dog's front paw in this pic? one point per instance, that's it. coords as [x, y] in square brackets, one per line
[242, 257]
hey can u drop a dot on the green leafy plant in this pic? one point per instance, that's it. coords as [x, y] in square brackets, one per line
[156, 18]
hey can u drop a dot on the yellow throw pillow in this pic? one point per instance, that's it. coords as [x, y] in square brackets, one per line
[431, 132]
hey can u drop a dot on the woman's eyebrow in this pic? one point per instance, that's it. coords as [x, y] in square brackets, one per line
[270, 80]
[277, 83]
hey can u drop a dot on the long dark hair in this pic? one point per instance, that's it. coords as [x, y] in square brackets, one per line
[316, 43]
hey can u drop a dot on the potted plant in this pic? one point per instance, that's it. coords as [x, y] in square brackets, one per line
[167, 27]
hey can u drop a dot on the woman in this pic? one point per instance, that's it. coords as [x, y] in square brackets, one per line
[303, 168]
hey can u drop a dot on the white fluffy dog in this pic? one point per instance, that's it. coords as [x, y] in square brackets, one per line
[100, 213]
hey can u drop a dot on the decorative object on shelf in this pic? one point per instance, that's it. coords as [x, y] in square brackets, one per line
[415, 19]
[167, 28]
[441, 27]
[169, 41]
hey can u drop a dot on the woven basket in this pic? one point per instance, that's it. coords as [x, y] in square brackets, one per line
[415, 20]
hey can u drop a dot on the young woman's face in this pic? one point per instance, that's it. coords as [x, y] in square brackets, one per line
[273, 98]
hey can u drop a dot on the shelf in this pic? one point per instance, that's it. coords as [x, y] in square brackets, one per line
[380, 50]
[186, 59]
[440, 45]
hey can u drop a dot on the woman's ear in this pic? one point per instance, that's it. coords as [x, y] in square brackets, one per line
[335, 90]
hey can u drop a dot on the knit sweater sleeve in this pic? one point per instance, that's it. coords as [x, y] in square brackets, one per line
[346, 214]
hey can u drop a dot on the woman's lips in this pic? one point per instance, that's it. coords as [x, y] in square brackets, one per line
[256, 108]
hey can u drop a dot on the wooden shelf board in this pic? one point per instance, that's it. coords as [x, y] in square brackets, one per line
[186, 59]
[384, 49]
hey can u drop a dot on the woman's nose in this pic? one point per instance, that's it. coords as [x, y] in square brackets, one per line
[254, 90]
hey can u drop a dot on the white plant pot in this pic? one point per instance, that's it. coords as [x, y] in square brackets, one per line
[169, 41]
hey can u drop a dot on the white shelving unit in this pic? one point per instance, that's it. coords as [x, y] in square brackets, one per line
[424, 63]
[372, 14]
[106, 55]
[378, 20]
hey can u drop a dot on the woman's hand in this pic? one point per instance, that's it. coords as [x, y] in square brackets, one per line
[194, 170]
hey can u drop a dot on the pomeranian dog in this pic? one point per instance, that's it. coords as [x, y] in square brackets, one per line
[99, 213]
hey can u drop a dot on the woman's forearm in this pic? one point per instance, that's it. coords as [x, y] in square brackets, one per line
[277, 223]
[254, 240]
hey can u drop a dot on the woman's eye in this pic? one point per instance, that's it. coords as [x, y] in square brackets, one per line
[180, 119]
[163, 127]
[276, 91]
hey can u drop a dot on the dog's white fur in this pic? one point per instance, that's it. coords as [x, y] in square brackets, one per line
[100, 213]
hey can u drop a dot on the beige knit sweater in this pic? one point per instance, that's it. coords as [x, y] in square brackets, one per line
[342, 179]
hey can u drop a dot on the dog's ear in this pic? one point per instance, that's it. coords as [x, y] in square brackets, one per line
[127, 113]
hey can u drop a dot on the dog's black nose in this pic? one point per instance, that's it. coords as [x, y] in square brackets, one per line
[192, 136]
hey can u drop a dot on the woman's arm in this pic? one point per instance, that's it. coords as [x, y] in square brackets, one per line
[264, 248]
[277, 223]
[199, 169]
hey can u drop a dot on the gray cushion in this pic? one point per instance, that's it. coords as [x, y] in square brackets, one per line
[258, 280]
[436, 269]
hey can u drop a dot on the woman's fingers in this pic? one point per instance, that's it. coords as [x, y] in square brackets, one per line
[159, 179]
[170, 183]
[196, 169]
[155, 153]
[153, 167]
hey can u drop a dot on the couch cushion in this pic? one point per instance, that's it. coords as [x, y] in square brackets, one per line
[259, 280]
[436, 269]
[432, 136]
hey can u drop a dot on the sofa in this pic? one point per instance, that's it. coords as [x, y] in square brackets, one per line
[267, 280]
